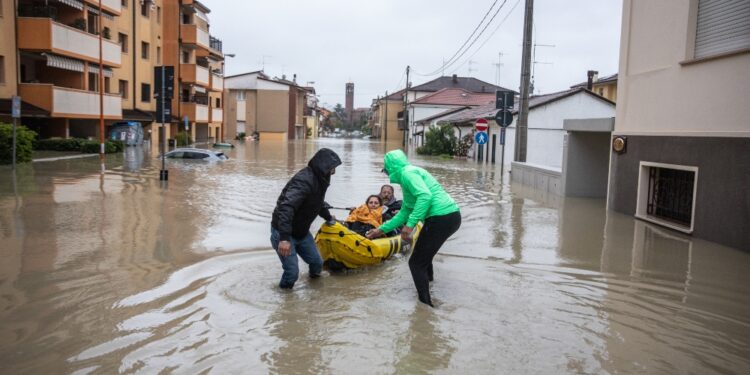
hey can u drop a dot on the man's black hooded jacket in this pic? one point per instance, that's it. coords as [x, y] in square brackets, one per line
[303, 197]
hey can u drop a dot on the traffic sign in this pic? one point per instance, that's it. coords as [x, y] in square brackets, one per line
[16, 111]
[503, 99]
[481, 138]
[503, 118]
[481, 125]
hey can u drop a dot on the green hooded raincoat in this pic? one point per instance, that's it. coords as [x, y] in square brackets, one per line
[423, 195]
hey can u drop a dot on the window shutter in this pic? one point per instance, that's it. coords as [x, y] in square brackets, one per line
[723, 26]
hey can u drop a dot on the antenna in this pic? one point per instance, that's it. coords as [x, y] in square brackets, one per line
[498, 65]
[471, 62]
[534, 62]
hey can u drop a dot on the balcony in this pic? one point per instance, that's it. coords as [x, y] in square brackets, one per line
[110, 6]
[217, 115]
[193, 73]
[70, 103]
[192, 34]
[217, 82]
[46, 35]
[194, 111]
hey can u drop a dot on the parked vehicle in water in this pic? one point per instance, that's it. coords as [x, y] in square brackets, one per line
[196, 154]
[130, 132]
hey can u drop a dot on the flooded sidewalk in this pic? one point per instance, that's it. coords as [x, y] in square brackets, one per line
[118, 273]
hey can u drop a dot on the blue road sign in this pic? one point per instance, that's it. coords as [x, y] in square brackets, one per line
[187, 124]
[481, 138]
[16, 107]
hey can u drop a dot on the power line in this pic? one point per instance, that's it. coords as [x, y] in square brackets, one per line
[456, 56]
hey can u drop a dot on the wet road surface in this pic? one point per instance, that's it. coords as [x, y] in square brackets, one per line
[115, 273]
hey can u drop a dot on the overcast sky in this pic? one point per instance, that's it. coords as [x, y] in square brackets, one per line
[370, 43]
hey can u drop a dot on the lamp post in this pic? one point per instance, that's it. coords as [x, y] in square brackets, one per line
[223, 120]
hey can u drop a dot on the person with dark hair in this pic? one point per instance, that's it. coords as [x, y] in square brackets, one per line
[391, 205]
[424, 200]
[301, 200]
[366, 216]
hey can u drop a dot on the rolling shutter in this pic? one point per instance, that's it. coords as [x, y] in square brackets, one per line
[723, 26]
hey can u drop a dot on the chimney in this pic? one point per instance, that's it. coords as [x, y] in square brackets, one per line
[283, 76]
[455, 78]
[295, 78]
[592, 77]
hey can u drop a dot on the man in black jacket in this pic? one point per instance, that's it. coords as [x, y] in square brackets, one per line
[301, 200]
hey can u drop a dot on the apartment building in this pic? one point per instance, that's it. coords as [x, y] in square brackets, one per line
[272, 107]
[384, 120]
[199, 65]
[681, 136]
[54, 66]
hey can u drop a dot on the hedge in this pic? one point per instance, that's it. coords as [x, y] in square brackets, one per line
[24, 143]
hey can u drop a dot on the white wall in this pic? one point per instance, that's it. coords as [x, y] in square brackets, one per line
[659, 96]
[545, 133]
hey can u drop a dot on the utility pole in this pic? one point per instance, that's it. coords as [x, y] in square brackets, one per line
[406, 108]
[101, 87]
[523, 113]
[385, 100]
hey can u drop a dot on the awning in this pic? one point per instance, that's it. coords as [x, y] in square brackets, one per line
[199, 89]
[59, 62]
[137, 115]
[96, 11]
[72, 3]
[95, 69]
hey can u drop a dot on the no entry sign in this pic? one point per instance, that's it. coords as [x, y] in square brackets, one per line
[481, 125]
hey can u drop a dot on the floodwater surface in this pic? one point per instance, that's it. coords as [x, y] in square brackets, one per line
[118, 273]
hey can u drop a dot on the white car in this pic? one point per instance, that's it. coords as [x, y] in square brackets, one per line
[196, 154]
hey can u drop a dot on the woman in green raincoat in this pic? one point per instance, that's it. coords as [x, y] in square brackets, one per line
[426, 201]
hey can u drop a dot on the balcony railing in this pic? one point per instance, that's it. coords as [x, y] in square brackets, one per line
[194, 111]
[217, 115]
[217, 82]
[215, 44]
[192, 34]
[46, 35]
[70, 103]
[192, 73]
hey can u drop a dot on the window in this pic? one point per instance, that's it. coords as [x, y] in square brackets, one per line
[666, 195]
[144, 50]
[107, 85]
[721, 27]
[185, 57]
[240, 95]
[1, 8]
[123, 40]
[158, 55]
[145, 92]
[124, 3]
[145, 8]
[218, 102]
[93, 81]
[123, 86]
[2, 69]
[186, 19]
[158, 14]
[601, 91]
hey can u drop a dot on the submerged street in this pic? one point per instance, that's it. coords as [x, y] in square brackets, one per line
[115, 273]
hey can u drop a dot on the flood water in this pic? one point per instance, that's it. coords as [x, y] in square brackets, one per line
[115, 273]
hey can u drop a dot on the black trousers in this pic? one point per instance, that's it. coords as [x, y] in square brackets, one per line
[435, 232]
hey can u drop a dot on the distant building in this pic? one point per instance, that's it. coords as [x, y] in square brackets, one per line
[681, 137]
[604, 86]
[349, 107]
[273, 107]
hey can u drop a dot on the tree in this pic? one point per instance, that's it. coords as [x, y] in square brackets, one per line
[439, 140]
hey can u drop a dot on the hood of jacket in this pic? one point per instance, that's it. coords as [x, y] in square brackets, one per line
[394, 163]
[322, 162]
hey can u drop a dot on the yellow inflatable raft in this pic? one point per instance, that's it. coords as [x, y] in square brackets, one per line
[342, 248]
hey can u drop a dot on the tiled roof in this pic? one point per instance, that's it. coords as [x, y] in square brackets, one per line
[456, 96]
[259, 72]
[488, 111]
[467, 83]
[442, 114]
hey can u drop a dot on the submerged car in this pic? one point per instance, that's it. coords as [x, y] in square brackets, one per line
[196, 154]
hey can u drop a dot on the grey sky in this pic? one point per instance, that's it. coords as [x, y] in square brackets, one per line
[370, 43]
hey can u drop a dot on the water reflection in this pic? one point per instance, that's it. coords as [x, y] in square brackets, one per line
[116, 273]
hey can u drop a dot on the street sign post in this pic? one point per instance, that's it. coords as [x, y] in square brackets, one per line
[481, 125]
[504, 118]
[164, 90]
[16, 114]
[504, 100]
